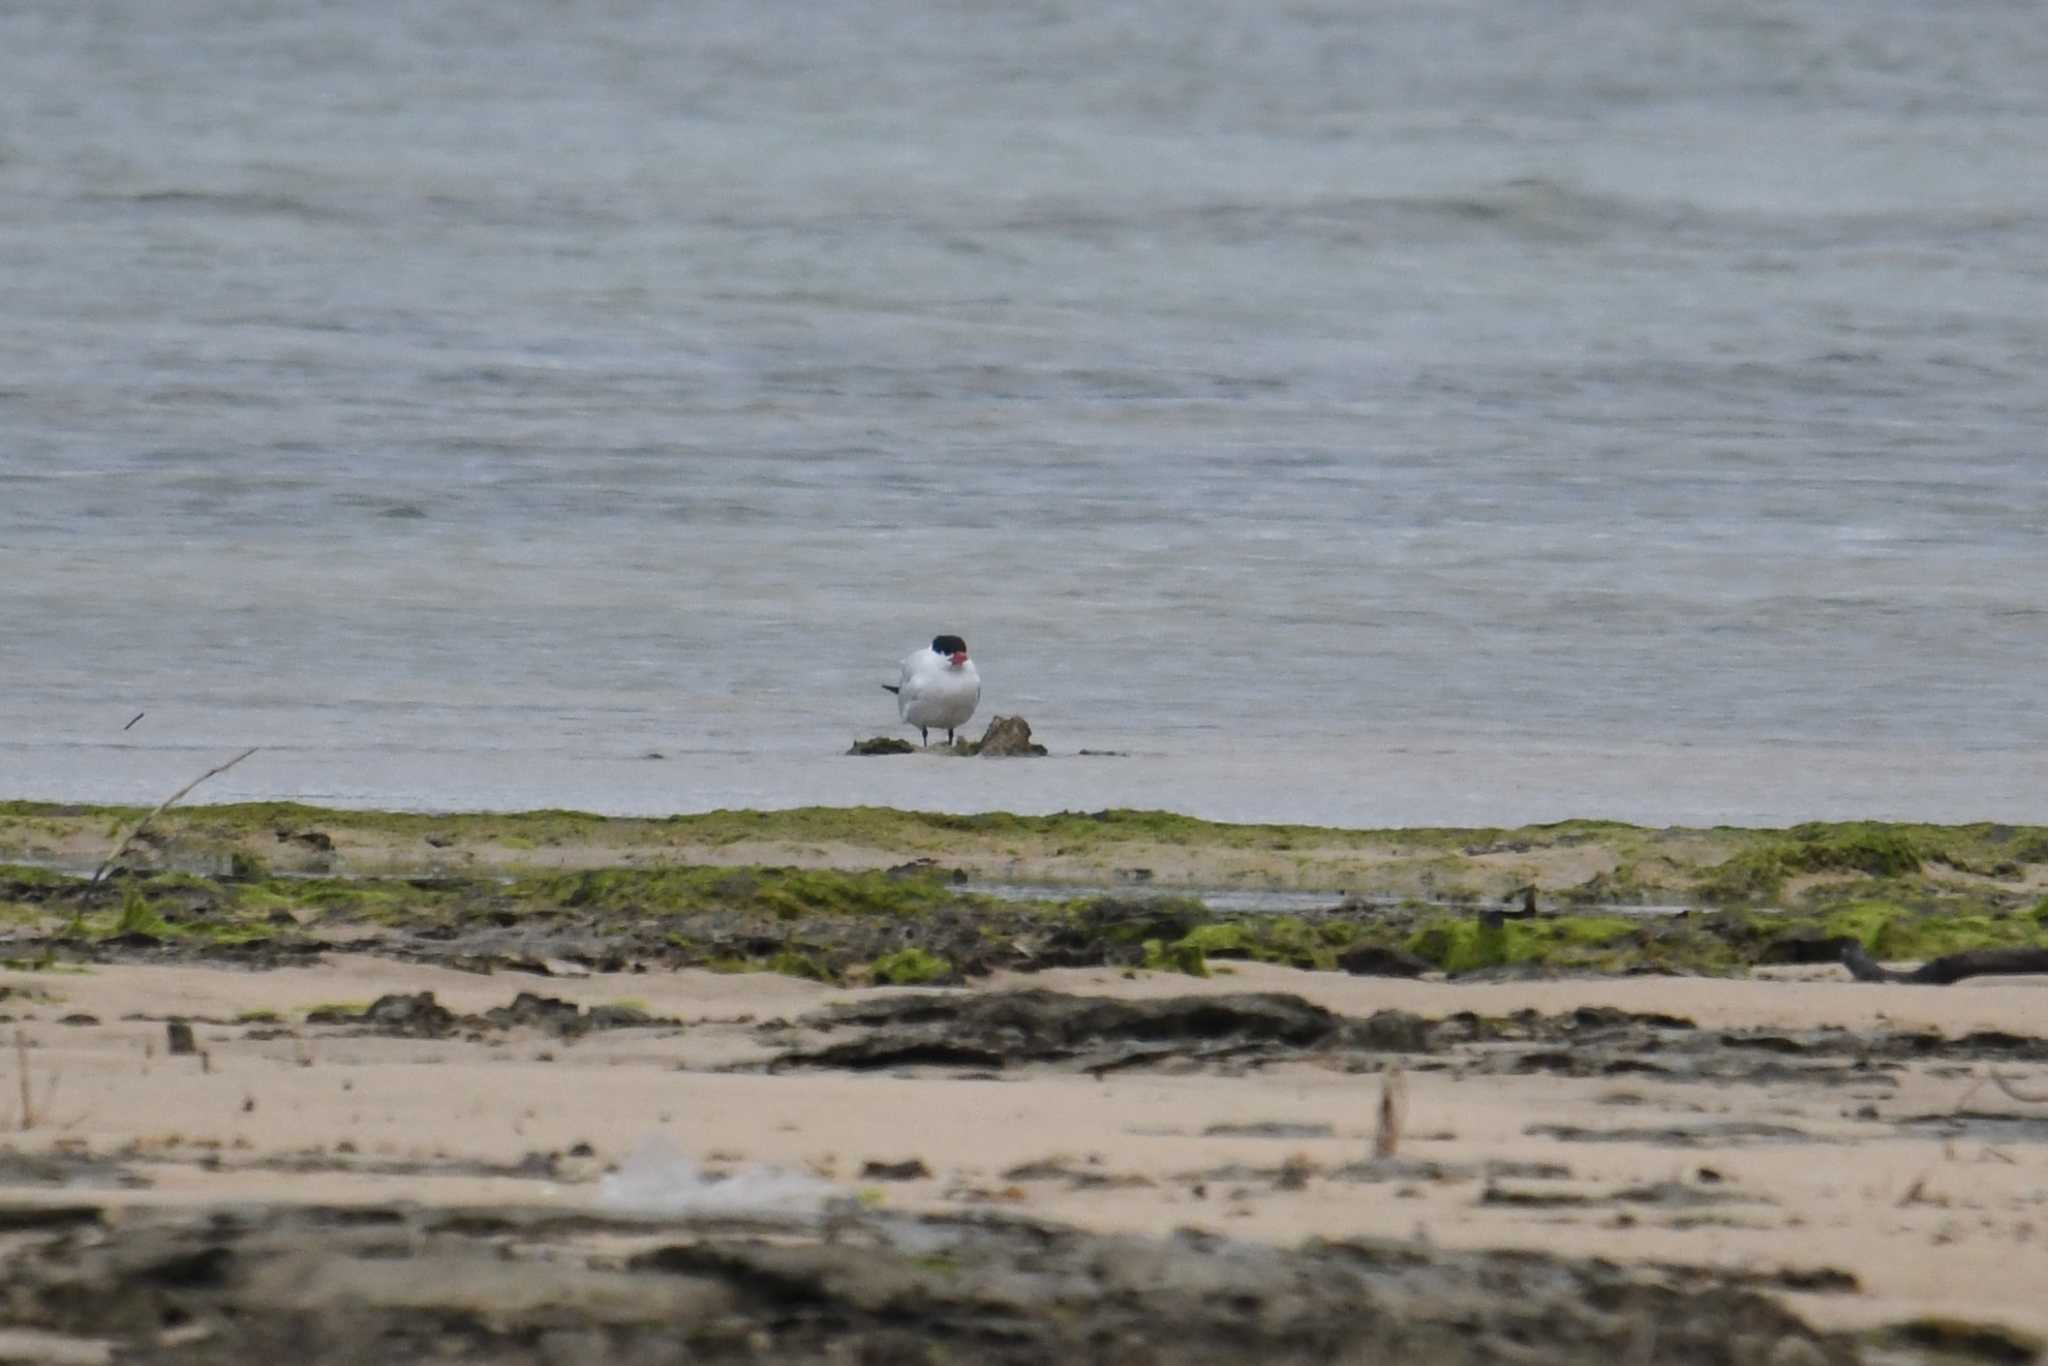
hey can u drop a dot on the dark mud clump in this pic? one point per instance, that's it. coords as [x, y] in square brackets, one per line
[1091, 1033]
[984, 1032]
[417, 1016]
[327, 1286]
[420, 1016]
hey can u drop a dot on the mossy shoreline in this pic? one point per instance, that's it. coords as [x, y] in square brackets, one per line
[1580, 862]
[869, 895]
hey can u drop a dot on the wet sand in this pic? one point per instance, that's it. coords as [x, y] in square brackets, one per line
[1834, 1147]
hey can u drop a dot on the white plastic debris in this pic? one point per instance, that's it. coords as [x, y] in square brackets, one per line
[658, 1179]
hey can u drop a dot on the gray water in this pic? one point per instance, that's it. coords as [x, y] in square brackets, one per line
[1375, 414]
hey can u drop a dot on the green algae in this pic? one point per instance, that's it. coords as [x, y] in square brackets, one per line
[787, 893]
[1180, 956]
[1281, 939]
[335, 1008]
[1467, 944]
[910, 968]
[1895, 931]
[247, 867]
[137, 916]
[1903, 891]
[790, 963]
[1581, 863]
[1760, 871]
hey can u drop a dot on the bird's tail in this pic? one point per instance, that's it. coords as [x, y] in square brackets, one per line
[891, 687]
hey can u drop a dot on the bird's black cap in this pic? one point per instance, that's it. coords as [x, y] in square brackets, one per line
[946, 645]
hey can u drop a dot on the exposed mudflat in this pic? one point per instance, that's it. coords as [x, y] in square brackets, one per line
[258, 1104]
[367, 1159]
[523, 1284]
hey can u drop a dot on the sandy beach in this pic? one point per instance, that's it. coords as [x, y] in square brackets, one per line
[1777, 1165]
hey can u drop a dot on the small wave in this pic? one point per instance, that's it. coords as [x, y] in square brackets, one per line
[1531, 208]
[226, 203]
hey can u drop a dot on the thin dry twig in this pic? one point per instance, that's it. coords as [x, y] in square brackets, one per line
[28, 1099]
[1386, 1138]
[163, 806]
[34, 1113]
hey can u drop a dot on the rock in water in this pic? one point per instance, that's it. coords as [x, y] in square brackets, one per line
[1007, 737]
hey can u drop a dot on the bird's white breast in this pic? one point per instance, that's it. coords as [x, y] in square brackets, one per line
[934, 693]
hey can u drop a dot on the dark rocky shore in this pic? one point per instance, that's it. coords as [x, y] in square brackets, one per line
[367, 1286]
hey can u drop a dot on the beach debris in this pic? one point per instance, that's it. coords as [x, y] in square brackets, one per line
[178, 1041]
[1270, 1128]
[1949, 968]
[656, 1178]
[1393, 1113]
[883, 744]
[1723, 1134]
[161, 807]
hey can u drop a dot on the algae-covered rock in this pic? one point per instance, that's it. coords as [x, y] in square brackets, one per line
[1018, 1027]
[1007, 737]
[417, 1016]
[912, 967]
[404, 1282]
[882, 744]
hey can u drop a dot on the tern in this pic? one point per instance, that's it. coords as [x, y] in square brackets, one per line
[939, 687]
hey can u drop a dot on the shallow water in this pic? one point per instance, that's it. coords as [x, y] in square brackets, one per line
[1436, 414]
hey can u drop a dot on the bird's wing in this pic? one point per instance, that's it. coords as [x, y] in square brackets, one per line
[913, 672]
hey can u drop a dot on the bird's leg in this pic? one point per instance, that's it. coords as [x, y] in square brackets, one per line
[949, 737]
[925, 736]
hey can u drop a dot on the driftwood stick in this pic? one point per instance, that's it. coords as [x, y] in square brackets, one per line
[1949, 968]
[163, 806]
[1386, 1138]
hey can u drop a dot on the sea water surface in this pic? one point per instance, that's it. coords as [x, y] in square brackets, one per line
[1400, 413]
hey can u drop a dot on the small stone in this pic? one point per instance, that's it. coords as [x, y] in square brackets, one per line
[178, 1039]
